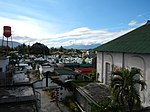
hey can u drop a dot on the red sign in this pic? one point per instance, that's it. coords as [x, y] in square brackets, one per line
[7, 31]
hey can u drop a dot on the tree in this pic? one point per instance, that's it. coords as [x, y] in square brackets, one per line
[22, 49]
[124, 88]
[52, 49]
[39, 48]
[61, 49]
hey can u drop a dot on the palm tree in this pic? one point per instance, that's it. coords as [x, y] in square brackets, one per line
[124, 88]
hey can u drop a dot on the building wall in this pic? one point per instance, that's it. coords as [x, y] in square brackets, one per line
[47, 68]
[62, 93]
[102, 59]
[66, 77]
[42, 83]
[100, 66]
[119, 60]
[4, 63]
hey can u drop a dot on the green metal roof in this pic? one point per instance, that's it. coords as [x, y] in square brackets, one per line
[71, 64]
[85, 65]
[65, 72]
[136, 41]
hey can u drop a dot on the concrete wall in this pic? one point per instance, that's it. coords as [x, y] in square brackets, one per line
[47, 68]
[62, 93]
[119, 60]
[42, 83]
[66, 77]
[4, 63]
[84, 103]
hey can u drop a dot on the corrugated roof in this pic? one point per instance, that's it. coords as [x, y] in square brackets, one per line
[136, 41]
[64, 72]
[85, 65]
[84, 70]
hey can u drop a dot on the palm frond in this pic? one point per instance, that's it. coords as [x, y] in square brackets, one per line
[141, 83]
[124, 89]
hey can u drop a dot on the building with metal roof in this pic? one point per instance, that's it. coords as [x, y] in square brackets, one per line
[136, 41]
[131, 50]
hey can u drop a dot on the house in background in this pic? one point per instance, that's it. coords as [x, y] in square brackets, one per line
[131, 50]
[5, 71]
[84, 73]
[4, 62]
[16, 96]
[65, 74]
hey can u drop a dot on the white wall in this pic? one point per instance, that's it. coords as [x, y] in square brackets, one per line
[141, 61]
[66, 77]
[42, 83]
[47, 68]
[99, 66]
[112, 58]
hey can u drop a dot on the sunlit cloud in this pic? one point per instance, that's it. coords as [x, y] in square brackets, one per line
[28, 30]
[28, 27]
[84, 36]
[132, 23]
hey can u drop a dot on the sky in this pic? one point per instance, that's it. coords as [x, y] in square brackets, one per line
[58, 23]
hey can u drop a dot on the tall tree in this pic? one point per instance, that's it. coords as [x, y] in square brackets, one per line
[39, 48]
[124, 88]
[22, 49]
[61, 49]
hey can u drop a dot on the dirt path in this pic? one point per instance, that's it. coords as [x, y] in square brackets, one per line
[46, 102]
[48, 106]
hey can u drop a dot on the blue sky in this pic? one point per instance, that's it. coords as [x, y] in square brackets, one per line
[66, 22]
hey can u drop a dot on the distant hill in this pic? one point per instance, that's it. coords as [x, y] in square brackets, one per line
[15, 44]
[92, 46]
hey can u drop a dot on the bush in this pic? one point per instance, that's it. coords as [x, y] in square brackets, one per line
[69, 102]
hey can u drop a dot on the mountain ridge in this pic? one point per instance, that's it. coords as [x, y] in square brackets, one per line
[92, 46]
[15, 44]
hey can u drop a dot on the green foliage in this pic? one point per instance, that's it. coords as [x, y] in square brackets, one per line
[22, 49]
[93, 75]
[14, 59]
[106, 106]
[125, 94]
[33, 65]
[71, 85]
[77, 83]
[69, 102]
[39, 48]
[37, 75]
[124, 88]
[61, 49]
[4, 50]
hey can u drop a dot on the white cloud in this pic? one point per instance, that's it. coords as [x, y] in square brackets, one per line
[29, 30]
[28, 27]
[84, 36]
[132, 23]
